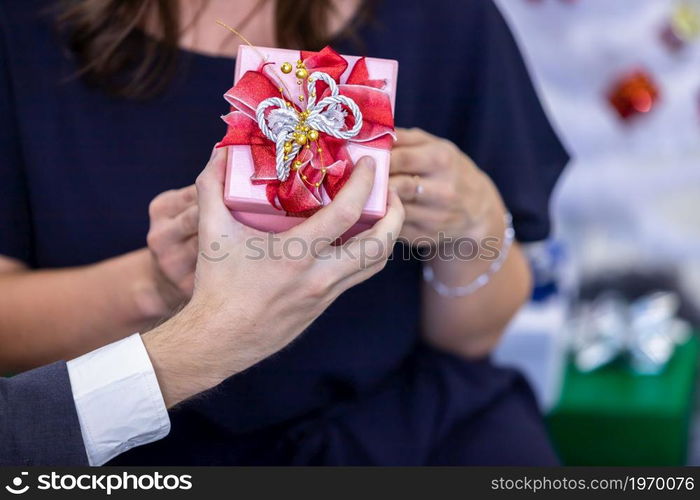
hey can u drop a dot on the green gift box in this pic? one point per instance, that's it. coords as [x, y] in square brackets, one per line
[612, 416]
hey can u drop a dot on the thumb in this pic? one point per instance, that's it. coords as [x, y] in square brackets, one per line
[210, 193]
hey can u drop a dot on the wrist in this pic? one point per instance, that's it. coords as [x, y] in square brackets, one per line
[498, 250]
[484, 224]
[176, 358]
[131, 293]
[487, 215]
[194, 351]
[146, 295]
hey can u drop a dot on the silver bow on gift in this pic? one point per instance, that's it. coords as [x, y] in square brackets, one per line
[283, 123]
[645, 331]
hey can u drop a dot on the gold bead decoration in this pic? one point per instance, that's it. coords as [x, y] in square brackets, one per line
[301, 97]
[313, 135]
[318, 184]
[301, 139]
[304, 177]
[324, 170]
[286, 68]
[297, 164]
[320, 150]
[302, 73]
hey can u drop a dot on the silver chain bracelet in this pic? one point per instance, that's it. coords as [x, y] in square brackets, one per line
[479, 281]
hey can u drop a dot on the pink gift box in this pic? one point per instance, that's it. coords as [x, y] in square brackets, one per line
[248, 202]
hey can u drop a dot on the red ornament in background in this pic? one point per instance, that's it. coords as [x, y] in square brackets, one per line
[634, 94]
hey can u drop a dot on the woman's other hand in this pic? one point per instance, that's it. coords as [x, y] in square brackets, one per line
[445, 194]
[173, 243]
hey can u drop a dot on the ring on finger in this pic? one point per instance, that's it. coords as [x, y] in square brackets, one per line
[419, 187]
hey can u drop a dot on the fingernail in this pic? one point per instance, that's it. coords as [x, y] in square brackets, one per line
[368, 162]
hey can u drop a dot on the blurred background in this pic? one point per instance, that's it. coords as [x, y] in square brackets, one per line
[620, 277]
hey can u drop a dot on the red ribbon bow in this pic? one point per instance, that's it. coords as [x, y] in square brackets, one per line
[323, 164]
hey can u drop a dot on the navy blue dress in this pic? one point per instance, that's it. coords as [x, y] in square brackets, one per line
[78, 169]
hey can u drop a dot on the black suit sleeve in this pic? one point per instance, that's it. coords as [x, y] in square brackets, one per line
[38, 420]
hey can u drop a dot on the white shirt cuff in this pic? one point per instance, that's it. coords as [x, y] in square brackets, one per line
[118, 399]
